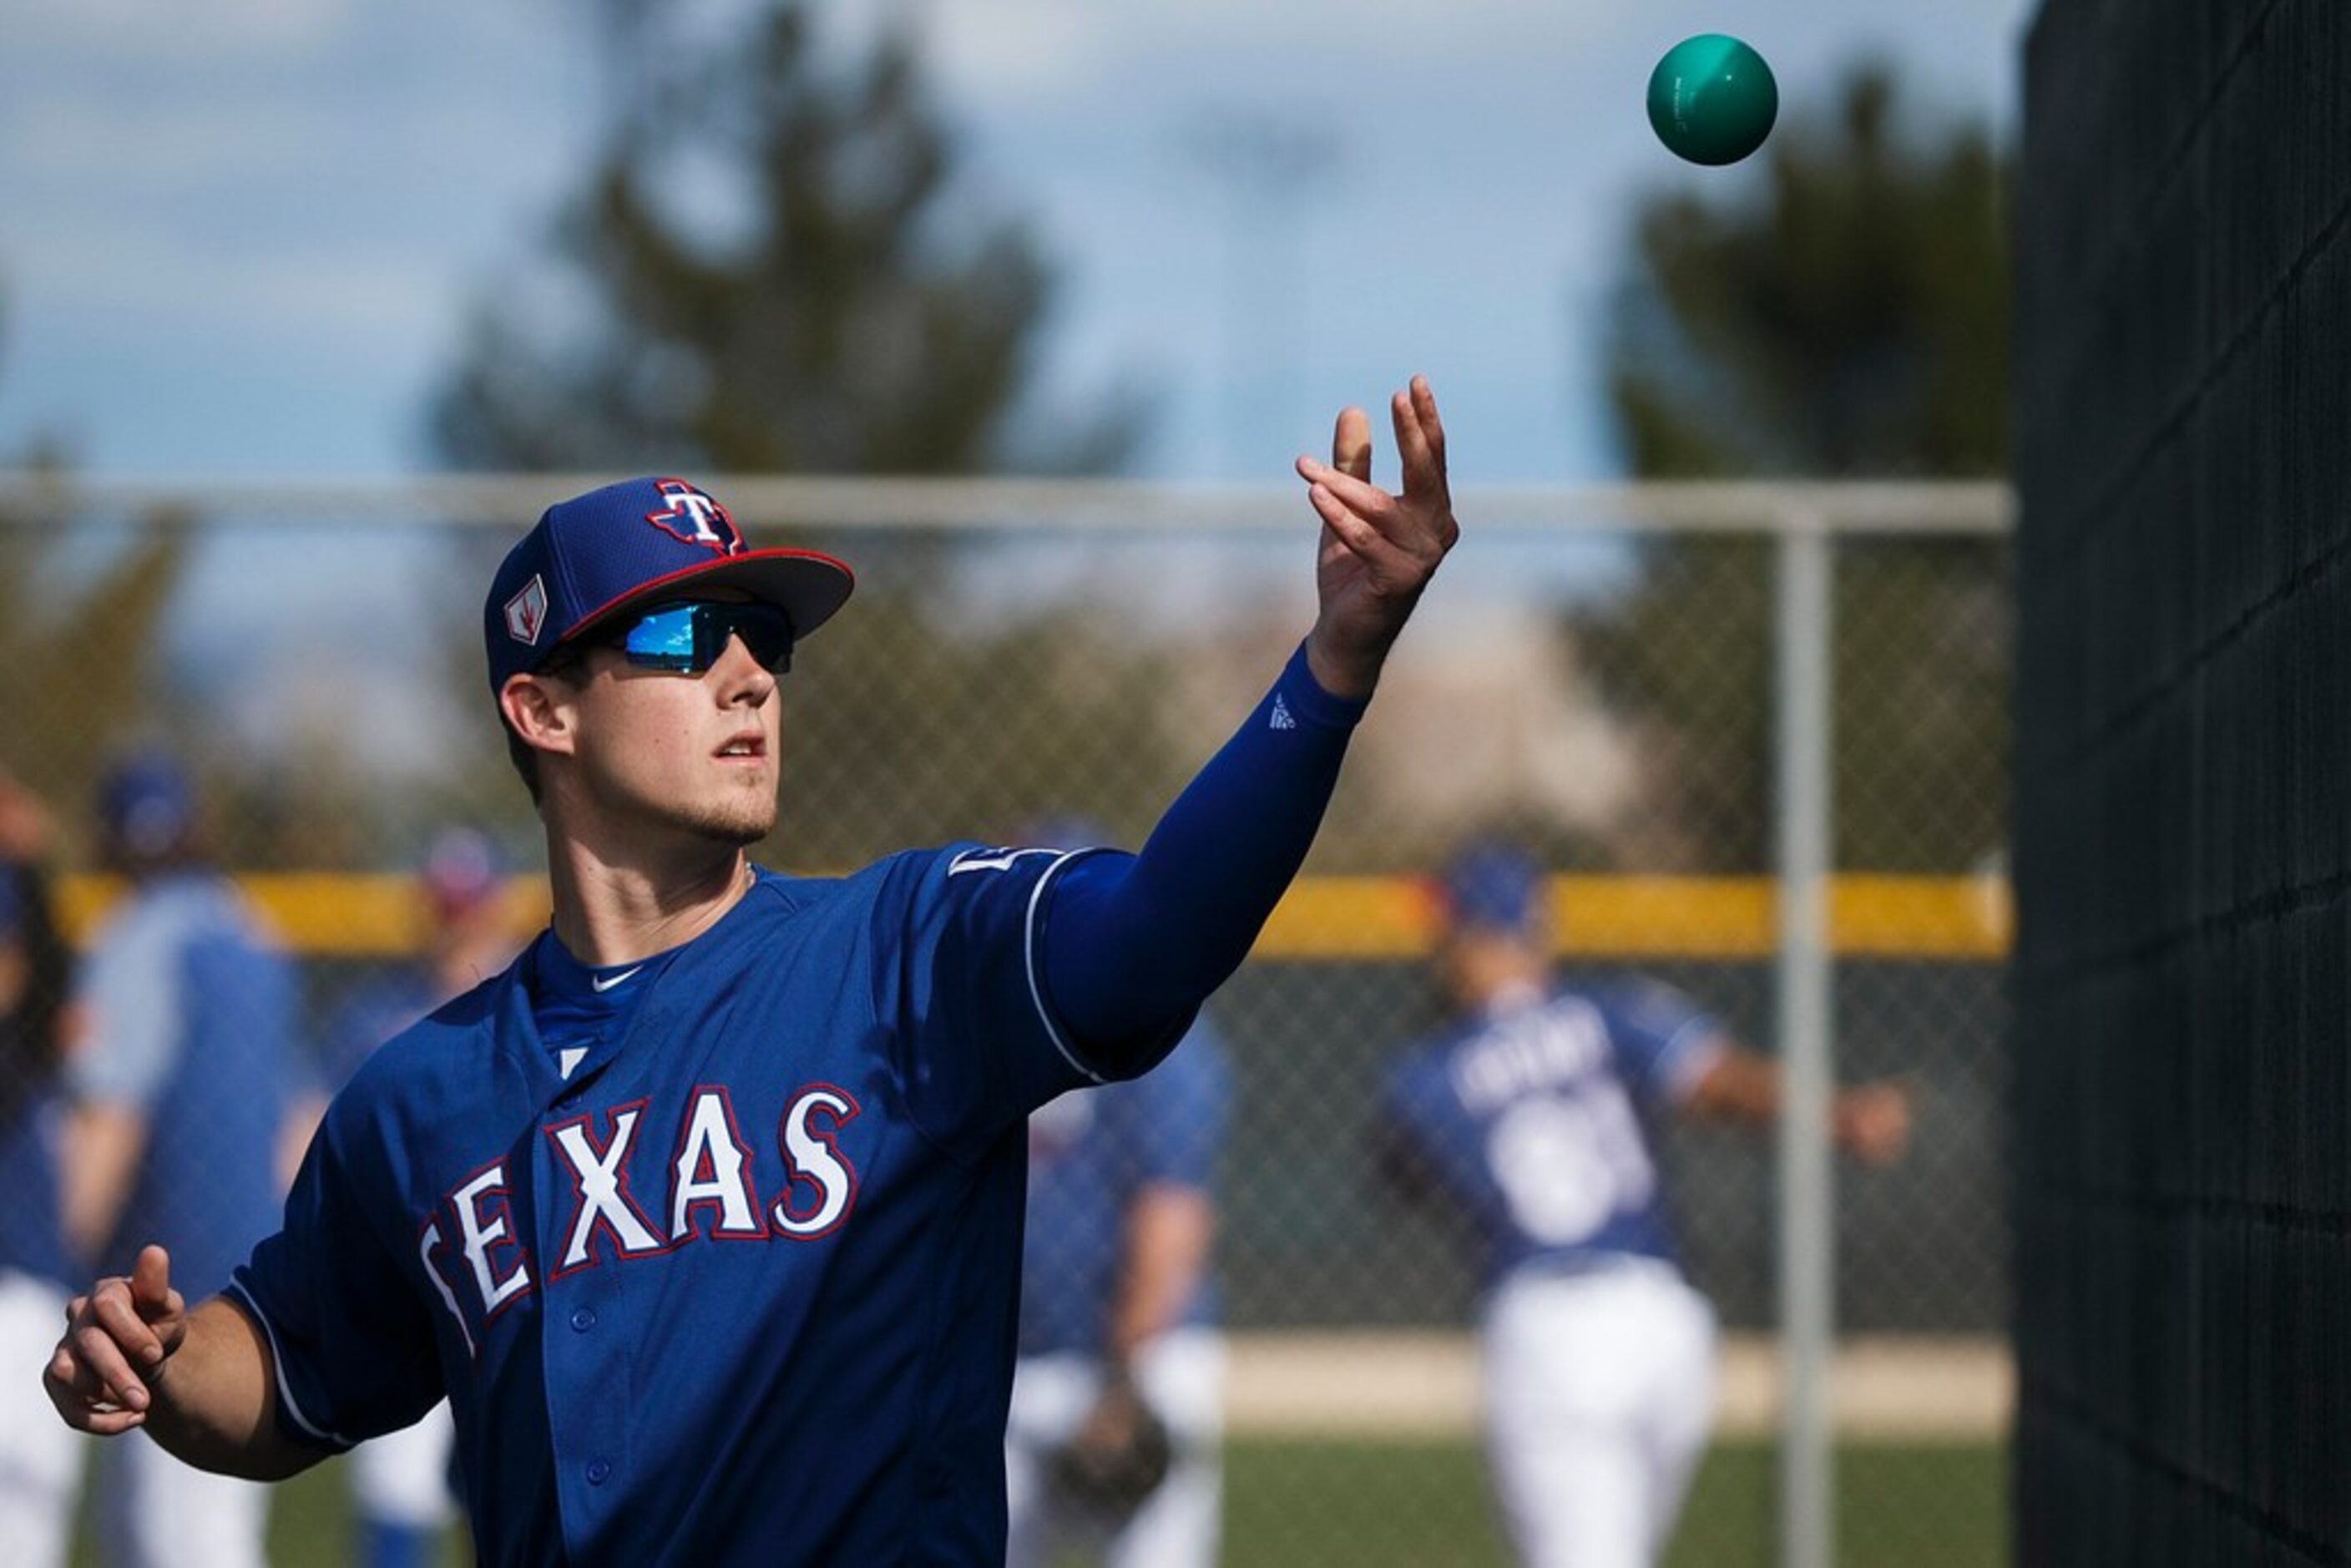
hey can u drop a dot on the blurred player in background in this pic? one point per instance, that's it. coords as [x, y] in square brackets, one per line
[705, 1214]
[38, 1474]
[1528, 1118]
[180, 1089]
[1113, 1447]
[399, 1482]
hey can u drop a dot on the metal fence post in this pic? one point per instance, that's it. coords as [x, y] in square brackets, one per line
[1802, 631]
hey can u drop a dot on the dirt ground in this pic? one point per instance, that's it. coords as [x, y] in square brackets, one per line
[1926, 1388]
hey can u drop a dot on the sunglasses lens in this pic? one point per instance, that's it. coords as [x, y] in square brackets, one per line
[663, 640]
[691, 638]
[765, 632]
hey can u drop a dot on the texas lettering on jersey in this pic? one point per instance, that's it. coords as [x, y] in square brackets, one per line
[635, 1194]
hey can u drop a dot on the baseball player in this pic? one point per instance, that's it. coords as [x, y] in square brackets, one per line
[1114, 1443]
[1529, 1118]
[179, 1090]
[399, 1481]
[40, 1461]
[705, 1214]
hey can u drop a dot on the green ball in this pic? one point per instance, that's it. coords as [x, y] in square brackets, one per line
[1712, 98]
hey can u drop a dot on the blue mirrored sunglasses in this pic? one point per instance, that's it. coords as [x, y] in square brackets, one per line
[690, 638]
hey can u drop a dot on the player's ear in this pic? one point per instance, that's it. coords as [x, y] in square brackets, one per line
[537, 710]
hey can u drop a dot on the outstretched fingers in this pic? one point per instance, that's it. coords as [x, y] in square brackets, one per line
[1420, 434]
[1378, 548]
[1360, 494]
[1418, 527]
[1420, 442]
[1361, 538]
[1351, 445]
[1395, 539]
[1353, 510]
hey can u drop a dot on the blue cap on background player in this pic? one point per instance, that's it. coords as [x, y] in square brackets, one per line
[147, 805]
[461, 872]
[590, 558]
[1494, 887]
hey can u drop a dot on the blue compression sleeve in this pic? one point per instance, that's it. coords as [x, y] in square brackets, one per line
[1131, 948]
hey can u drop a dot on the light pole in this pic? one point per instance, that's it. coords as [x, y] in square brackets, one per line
[1268, 166]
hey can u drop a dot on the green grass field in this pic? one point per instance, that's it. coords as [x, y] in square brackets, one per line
[1366, 1505]
[1391, 1505]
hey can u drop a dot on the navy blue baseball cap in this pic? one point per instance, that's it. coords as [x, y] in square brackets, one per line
[147, 804]
[461, 872]
[588, 560]
[1494, 887]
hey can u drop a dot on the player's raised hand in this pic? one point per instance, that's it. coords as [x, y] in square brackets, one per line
[1379, 549]
[1870, 1122]
[117, 1339]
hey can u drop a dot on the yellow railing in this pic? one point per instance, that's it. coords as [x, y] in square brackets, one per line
[350, 916]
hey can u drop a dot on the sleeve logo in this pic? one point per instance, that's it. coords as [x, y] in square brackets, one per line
[1000, 859]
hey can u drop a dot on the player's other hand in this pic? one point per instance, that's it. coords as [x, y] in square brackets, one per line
[116, 1341]
[25, 827]
[1118, 1456]
[1870, 1122]
[1378, 549]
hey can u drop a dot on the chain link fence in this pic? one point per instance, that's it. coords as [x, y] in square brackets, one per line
[1593, 676]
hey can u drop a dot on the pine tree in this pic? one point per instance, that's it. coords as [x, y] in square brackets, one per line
[770, 268]
[1851, 323]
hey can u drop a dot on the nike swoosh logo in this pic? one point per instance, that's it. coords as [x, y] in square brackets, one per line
[604, 984]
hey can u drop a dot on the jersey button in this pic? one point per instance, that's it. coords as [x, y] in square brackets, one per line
[583, 1320]
[599, 1472]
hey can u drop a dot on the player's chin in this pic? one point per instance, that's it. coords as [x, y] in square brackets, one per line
[736, 818]
[735, 832]
[741, 824]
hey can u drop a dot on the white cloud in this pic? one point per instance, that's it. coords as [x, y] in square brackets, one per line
[74, 141]
[991, 50]
[1012, 47]
[171, 31]
[338, 293]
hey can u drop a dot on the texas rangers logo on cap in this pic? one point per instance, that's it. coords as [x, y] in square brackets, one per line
[588, 560]
[696, 518]
[526, 611]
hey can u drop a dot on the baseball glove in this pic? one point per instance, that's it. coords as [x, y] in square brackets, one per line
[1118, 1457]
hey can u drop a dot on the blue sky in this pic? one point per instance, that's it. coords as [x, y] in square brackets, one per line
[243, 235]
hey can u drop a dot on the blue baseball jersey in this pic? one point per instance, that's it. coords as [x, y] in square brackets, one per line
[32, 1230]
[1533, 1120]
[191, 1015]
[740, 1288]
[1090, 1154]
